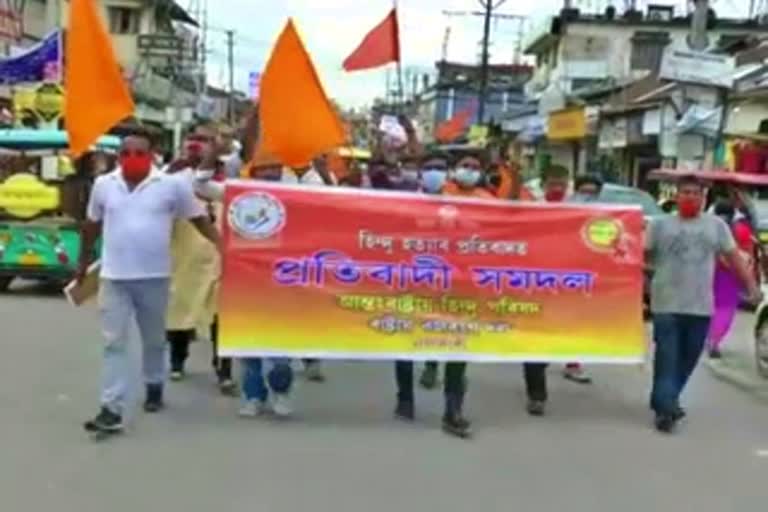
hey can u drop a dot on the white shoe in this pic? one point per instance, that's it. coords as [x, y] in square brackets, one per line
[253, 409]
[577, 374]
[281, 405]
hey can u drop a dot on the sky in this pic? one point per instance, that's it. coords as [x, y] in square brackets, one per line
[331, 29]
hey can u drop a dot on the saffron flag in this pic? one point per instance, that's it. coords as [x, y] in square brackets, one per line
[453, 128]
[97, 97]
[381, 46]
[298, 121]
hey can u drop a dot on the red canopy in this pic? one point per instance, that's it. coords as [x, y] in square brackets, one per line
[719, 175]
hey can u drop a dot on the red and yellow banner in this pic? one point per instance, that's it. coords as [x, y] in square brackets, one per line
[333, 273]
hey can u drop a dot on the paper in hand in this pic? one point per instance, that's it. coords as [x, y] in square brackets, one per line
[79, 293]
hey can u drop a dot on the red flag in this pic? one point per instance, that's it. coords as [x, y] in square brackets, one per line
[381, 46]
[453, 128]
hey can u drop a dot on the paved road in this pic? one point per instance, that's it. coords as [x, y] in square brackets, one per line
[594, 452]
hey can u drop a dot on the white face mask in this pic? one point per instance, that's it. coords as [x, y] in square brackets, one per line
[203, 175]
[311, 177]
[410, 176]
[433, 180]
[467, 177]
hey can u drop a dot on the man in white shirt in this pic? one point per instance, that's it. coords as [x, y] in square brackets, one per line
[133, 209]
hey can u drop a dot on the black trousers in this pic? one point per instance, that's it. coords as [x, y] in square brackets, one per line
[536, 381]
[221, 365]
[453, 381]
[179, 341]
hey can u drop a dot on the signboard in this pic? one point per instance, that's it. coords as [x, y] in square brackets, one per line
[570, 124]
[254, 85]
[613, 133]
[478, 136]
[160, 45]
[24, 196]
[49, 102]
[37, 63]
[32, 105]
[405, 276]
[652, 122]
[698, 67]
[11, 23]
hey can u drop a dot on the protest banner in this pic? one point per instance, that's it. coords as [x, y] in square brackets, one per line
[334, 273]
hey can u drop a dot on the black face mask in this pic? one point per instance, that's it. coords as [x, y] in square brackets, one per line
[380, 181]
[493, 179]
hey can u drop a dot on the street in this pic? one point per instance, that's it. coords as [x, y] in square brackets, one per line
[595, 451]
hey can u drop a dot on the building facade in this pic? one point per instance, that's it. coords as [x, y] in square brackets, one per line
[457, 89]
[608, 72]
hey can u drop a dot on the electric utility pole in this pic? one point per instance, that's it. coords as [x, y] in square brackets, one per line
[231, 64]
[489, 6]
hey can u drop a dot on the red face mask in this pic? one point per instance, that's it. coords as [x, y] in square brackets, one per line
[688, 207]
[194, 148]
[135, 165]
[555, 195]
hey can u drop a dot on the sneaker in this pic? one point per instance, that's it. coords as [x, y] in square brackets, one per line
[281, 405]
[429, 378]
[227, 387]
[177, 375]
[665, 423]
[715, 354]
[105, 421]
[154, 400]
[254, 409]
[457, 425]
[679, 414]
[536, 407]
[313, 372]
[405, 411]
[577, 374]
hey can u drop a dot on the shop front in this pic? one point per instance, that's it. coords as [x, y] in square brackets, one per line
[566, 139]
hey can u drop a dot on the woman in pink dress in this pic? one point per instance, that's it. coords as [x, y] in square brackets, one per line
[728, 290]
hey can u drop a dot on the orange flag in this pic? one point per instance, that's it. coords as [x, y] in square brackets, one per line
[97, 97]
[297, 120]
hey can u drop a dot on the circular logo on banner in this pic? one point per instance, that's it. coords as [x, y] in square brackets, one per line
[602, 234]
[256, 215]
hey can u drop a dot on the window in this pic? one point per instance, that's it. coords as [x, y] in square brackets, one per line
[124, 20]
[647, 50]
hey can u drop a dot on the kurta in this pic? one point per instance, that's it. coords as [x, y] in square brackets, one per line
[195, 273]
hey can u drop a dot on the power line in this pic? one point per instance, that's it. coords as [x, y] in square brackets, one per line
[488, 14]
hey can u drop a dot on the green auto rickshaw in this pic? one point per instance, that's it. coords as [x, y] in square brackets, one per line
[43, 200]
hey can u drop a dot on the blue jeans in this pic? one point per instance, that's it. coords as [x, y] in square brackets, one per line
[120, 302]
[679, 341]
[279, 378]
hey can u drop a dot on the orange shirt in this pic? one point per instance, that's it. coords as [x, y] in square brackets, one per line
[452, 189]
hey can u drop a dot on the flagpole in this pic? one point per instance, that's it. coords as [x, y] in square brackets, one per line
[400, 88]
